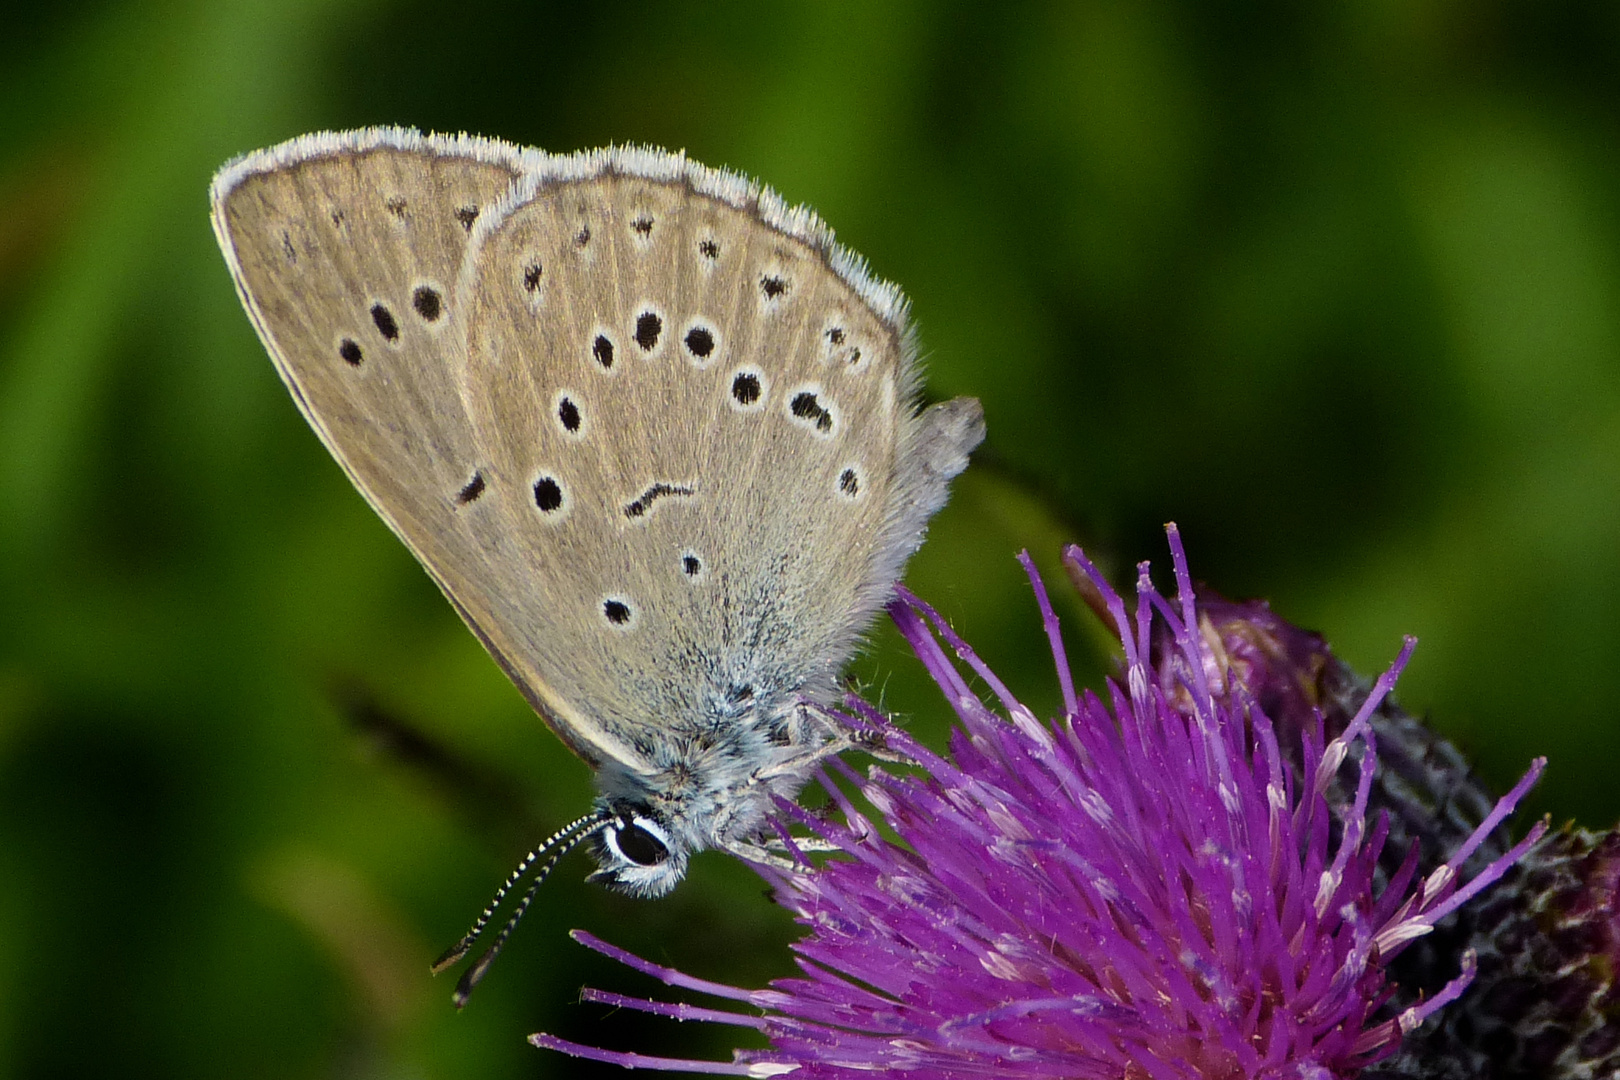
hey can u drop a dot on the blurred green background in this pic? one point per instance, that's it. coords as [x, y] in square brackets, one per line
[1334, 286]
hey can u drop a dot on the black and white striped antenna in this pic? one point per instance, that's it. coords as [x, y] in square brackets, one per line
[558, 844]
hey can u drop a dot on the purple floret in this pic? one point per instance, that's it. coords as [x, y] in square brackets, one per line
[1150, 886]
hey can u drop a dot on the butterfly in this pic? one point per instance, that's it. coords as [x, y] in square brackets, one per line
[650, 429]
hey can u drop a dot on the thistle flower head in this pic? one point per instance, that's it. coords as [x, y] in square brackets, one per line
[1150, 886]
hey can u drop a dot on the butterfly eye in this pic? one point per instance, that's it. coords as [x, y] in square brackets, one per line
[639, 841]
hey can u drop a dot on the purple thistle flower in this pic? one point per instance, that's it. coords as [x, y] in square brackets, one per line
[1546, 996]
[1169, 883]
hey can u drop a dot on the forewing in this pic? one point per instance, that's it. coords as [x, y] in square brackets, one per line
[346, 251]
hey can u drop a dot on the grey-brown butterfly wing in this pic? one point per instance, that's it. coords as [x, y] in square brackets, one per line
[346, 250]
[697, 417]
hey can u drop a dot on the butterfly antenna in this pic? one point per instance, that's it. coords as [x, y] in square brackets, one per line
[471, 977]
[451, 956]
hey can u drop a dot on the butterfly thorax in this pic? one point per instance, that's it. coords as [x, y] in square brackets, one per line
[715, 788]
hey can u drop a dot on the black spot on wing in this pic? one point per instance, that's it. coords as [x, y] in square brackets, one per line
[472, 489]
[648, 327]
[548, 494]
[386, 326]
[700, 342]
[644, 503]
[427, 303]
[602, 350]
[806, 406]
[745, 388]
[568, 415]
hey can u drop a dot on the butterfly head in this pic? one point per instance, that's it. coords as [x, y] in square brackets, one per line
[637, 852]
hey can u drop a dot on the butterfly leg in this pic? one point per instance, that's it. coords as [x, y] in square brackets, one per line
[875, 745]
[836, 738]
[777, 855]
